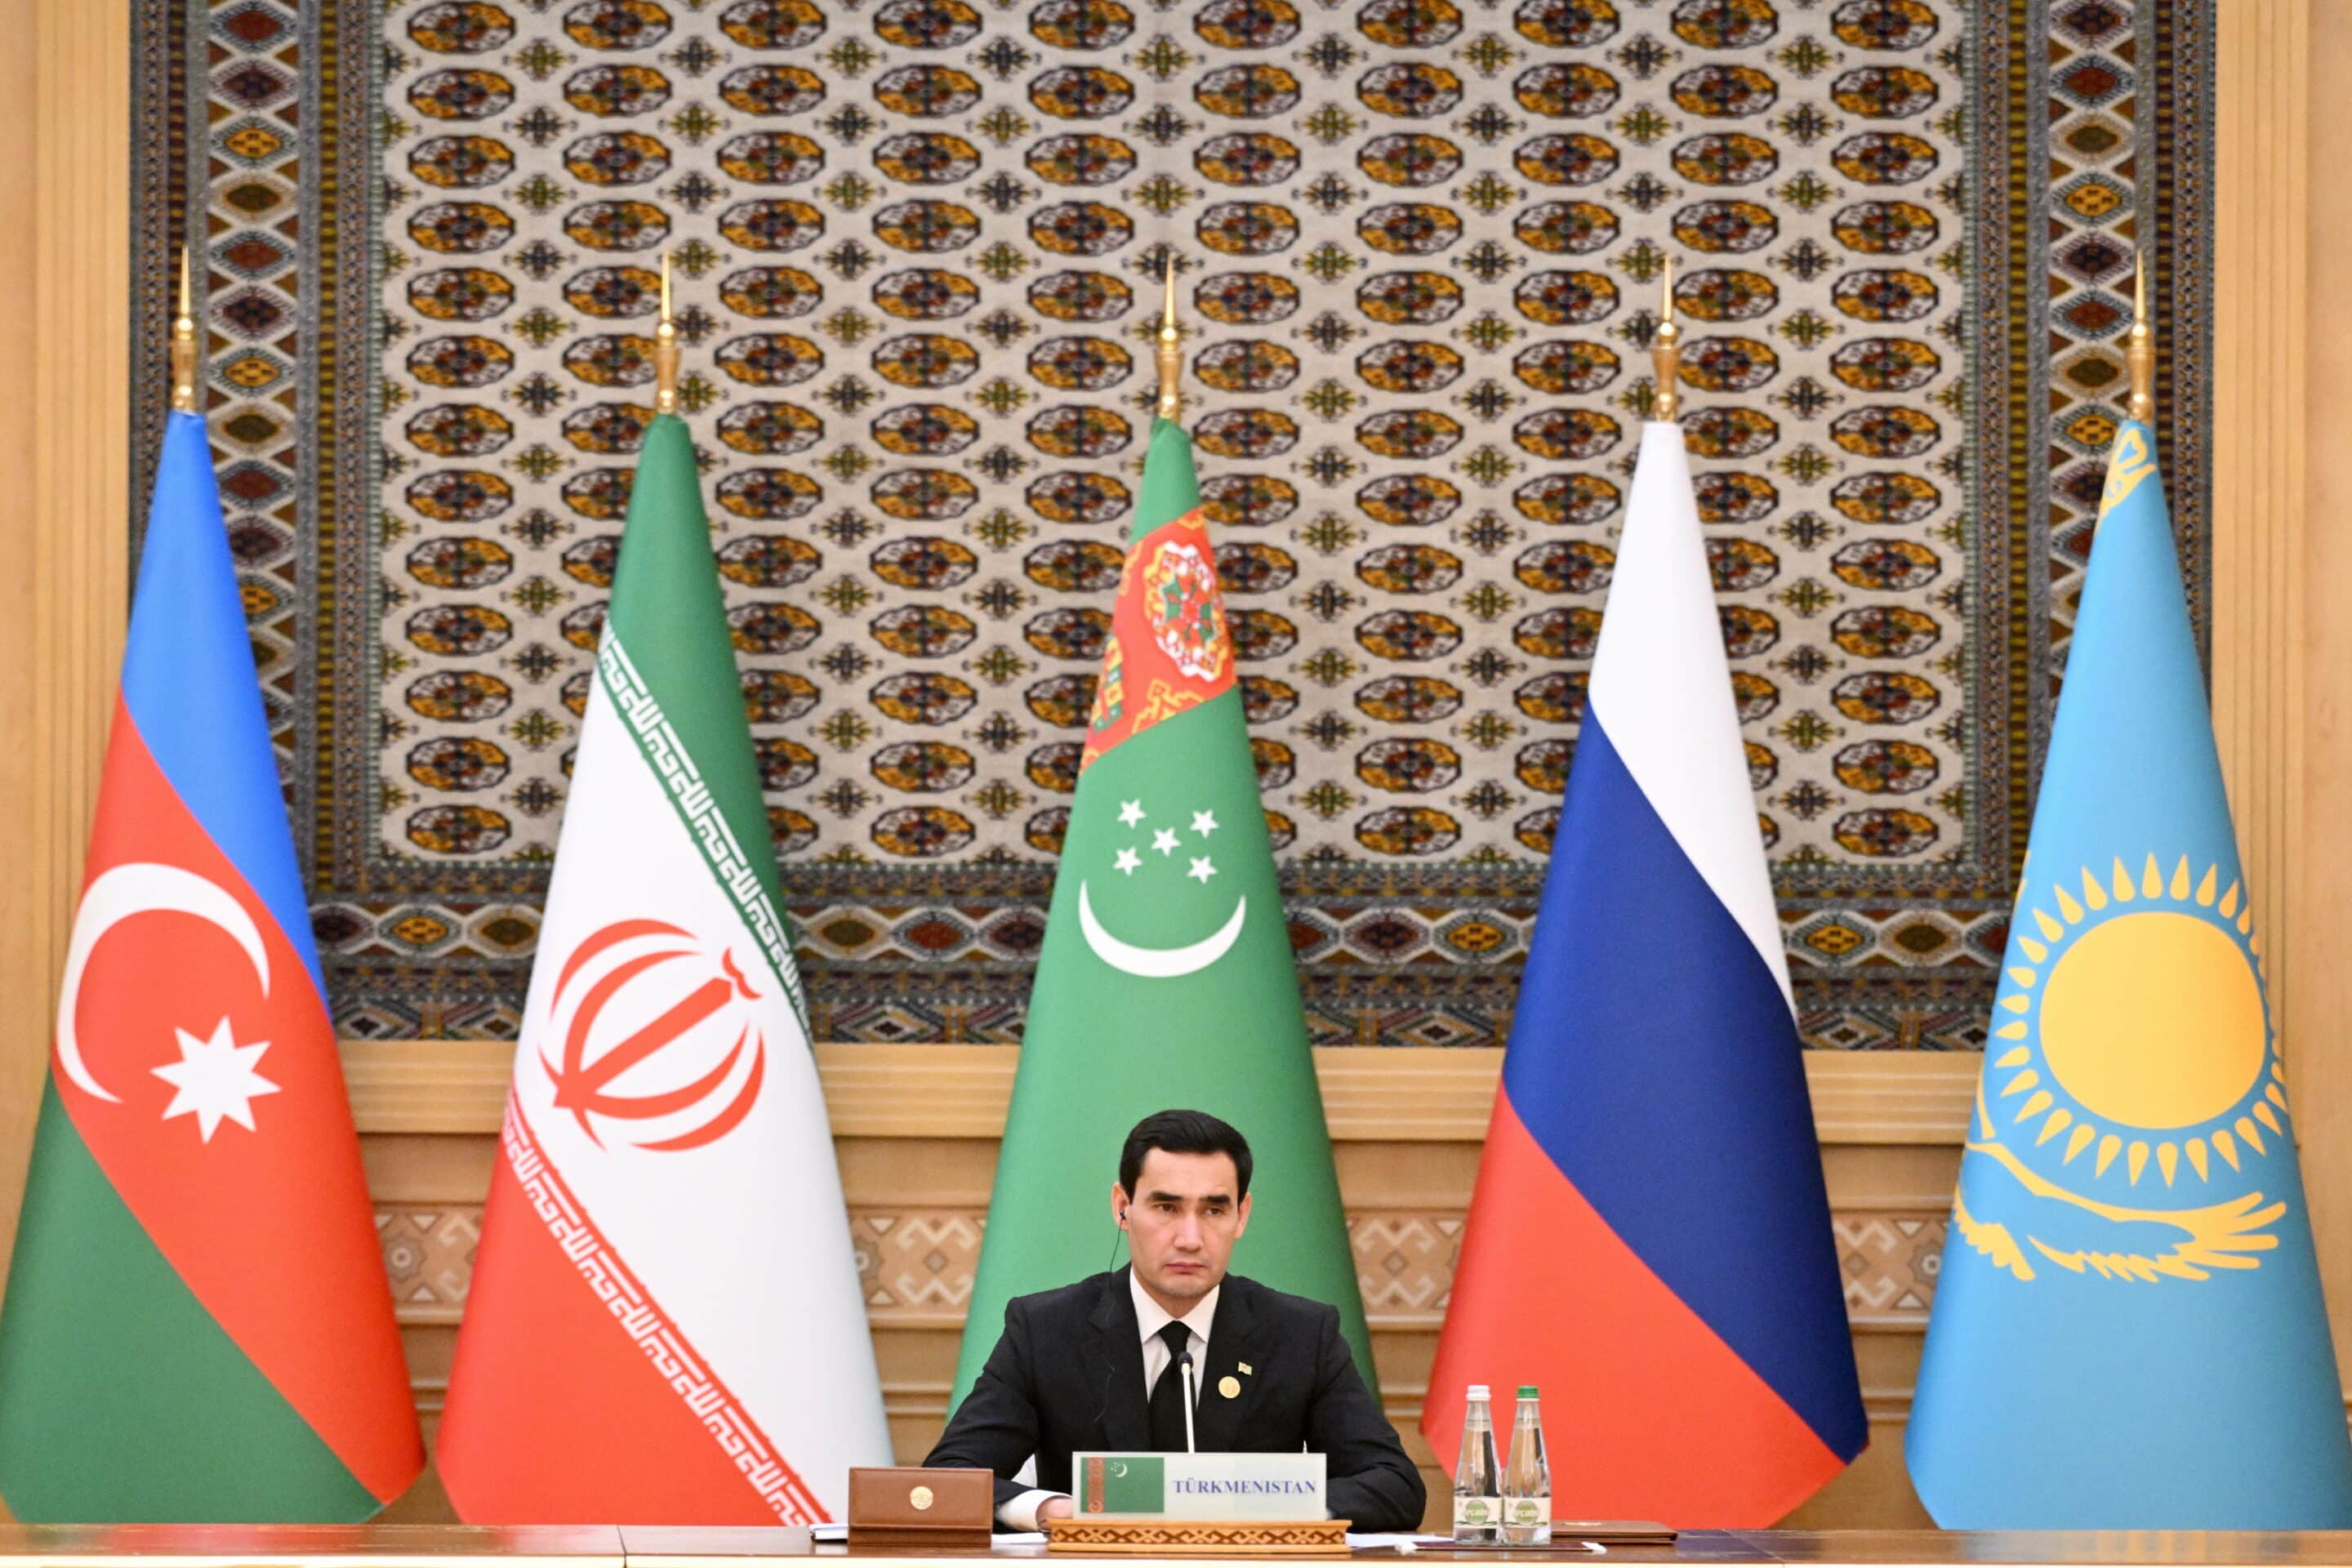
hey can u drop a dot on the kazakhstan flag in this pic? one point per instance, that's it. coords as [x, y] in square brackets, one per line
[2128, 1330]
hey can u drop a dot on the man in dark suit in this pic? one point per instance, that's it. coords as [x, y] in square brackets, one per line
[1097, 1365]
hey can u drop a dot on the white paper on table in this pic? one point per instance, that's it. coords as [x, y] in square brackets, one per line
[1360, 1542]
[830, 1533]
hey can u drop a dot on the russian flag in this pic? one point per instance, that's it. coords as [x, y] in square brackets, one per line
[1649, 1241]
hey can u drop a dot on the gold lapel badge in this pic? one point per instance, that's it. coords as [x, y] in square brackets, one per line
[1231, 1387]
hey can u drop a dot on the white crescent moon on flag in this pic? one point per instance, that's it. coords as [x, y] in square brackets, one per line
[1159, 962]
[138, 888]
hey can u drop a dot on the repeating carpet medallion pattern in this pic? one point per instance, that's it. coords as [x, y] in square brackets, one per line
[918, 244]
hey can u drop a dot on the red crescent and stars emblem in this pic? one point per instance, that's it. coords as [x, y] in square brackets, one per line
[656, 1034]
[195, 1059]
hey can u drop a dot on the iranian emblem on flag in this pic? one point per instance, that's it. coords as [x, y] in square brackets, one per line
[599, 976]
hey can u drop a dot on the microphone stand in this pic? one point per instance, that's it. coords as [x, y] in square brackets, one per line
[1189, 1393]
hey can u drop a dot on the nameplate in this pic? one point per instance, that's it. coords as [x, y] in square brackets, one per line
[1199, 1486]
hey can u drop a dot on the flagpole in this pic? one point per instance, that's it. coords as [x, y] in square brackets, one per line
[665, 353]
[184, 399]
[1667, 348]
[1170, 354]
[2140, 348]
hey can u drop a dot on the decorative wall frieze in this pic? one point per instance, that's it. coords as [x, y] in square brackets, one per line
[916, 1265]
[1370, 1094]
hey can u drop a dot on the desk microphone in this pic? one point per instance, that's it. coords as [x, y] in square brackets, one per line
[1190, 1394]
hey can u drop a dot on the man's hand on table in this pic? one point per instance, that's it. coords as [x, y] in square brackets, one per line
[1054, 1507]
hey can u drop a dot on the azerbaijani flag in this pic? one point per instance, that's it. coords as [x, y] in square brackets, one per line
[665, 1325]
[197, 1325]
[1649, 1238]
[1167, 919]
[2128, 1331]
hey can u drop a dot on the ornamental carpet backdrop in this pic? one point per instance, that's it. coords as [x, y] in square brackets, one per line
[918, 244]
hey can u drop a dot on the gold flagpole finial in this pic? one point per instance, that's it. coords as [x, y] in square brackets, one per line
[665, 351]
[2140, 349]
[1667, 349]
[184, 345]
[1170, 354]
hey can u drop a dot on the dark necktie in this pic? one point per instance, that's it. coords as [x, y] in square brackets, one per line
[1168, 1392]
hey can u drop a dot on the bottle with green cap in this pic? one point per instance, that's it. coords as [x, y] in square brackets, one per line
[1526, 1485]
[1478, 1481]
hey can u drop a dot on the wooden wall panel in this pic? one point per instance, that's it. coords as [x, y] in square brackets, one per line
[2260, 427]
[65, 226]
[2276, 68]
[65, 229]
[30, 812]
[2282, 644]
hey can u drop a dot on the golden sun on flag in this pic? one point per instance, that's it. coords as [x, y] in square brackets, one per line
[2149, 1020]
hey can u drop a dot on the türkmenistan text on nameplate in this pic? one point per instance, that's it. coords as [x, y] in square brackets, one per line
[1199, 1486]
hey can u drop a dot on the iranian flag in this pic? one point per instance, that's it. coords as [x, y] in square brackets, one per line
[1166, 922]
[665, 1325]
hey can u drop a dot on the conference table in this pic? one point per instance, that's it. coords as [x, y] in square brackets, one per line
[634, 1546]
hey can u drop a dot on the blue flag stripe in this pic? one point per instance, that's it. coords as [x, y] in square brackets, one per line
[188, 680]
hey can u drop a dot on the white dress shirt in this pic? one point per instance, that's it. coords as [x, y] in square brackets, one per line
[1153, 1317]
[1150, 1317]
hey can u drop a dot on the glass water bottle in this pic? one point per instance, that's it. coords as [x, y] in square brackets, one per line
[1526, 1483]
[1477, 1480]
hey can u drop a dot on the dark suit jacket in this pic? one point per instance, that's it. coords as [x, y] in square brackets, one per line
[1067, 1376]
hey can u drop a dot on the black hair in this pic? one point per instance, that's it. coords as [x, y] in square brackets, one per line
[1183, 1132]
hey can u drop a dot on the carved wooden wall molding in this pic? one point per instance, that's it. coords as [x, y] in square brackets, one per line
[916, 1263]
[2281, 554]
[65, 225]
[1370, 1094]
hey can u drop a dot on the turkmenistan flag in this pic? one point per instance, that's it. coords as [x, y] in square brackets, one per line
[1129, 1483]
[1166, 977]
[197, 1325]
[665, 1325]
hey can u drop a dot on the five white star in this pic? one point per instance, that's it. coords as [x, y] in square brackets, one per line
[1128, 861]
[1132, 813]
[213, 1080]
[1202, 869]
[1204, 822]
[1164, 841]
